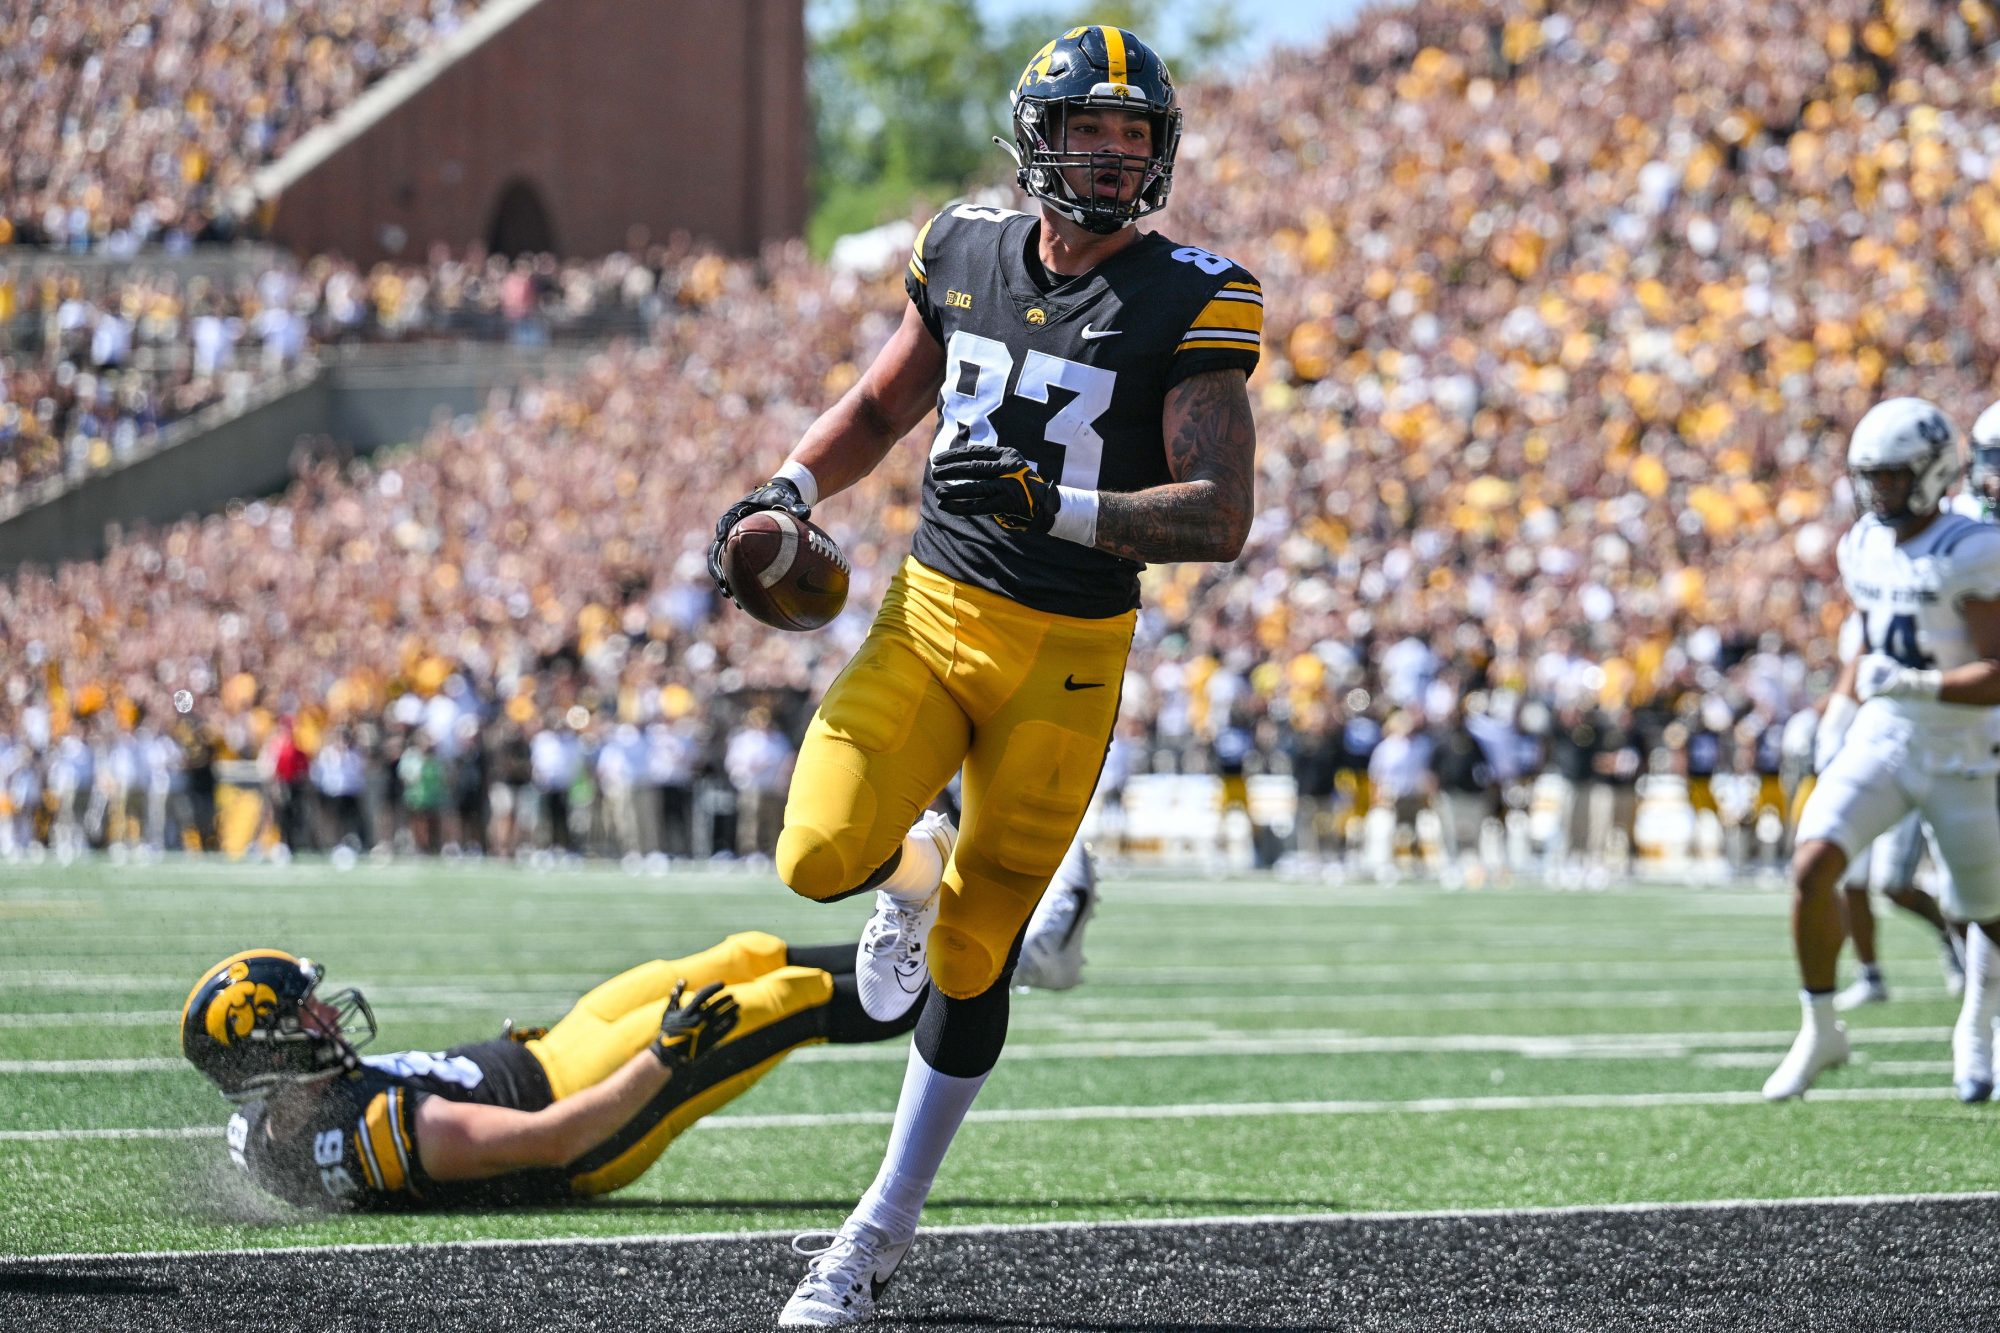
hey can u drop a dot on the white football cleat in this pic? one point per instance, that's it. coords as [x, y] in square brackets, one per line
[1860, 991]
[890, 966]
[845, 1279]
[1052, 951]
[1817, 1049]
[1972, 1058]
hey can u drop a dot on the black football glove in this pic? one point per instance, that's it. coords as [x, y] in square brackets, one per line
[995, 479]
[777, 493]
[689, 1031]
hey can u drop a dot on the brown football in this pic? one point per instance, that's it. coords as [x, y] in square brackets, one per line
[784, 570]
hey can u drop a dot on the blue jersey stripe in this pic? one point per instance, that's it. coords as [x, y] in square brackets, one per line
[1948, 542]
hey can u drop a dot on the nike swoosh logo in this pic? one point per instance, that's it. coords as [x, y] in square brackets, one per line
[1090, 333]
[1072, 683]
[876, 1286]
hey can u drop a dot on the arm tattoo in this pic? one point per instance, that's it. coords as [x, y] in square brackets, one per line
[1204, 513]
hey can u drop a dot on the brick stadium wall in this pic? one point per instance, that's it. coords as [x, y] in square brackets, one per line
[629, 119]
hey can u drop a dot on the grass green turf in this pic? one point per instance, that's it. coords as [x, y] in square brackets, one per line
[1257, 985]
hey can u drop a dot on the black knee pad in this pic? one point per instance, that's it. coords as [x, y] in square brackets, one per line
[963, 1038]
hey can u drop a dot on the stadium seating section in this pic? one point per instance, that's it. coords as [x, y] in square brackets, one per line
[1567, 317]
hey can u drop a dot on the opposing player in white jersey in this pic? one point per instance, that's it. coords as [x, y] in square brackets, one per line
[1888, 867]
[1926, 584]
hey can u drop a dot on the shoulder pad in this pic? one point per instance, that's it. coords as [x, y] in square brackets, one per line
[981, 213]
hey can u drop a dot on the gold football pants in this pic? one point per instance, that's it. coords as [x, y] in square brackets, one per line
[955, 676]
[620, 1018]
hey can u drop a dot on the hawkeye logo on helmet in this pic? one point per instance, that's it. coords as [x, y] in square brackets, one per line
[236, 1008]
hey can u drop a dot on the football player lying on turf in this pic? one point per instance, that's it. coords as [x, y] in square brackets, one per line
[579, 1109]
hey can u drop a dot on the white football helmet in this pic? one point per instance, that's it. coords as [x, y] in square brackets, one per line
[1903, 433]
[1982, 476]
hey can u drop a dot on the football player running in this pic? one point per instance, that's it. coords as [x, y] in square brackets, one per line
[1926, 584]
[1090, 384]
[579, 1109]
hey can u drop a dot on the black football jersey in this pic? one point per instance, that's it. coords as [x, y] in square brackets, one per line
[358, 1149]
[1073, 372]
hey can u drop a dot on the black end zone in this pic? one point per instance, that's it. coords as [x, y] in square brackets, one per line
[1906, 1266]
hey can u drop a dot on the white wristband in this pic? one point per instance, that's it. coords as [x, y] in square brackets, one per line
[800, 476]
[1076, 521]
[1922, 684]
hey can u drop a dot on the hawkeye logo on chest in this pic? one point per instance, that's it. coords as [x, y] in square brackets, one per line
[1037, 317]
[958, 300]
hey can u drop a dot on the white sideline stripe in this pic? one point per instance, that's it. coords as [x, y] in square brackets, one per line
[1190, 1111]
[1748, 1048]
[1018, 1228]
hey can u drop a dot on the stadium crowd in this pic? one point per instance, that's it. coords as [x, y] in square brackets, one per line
[95, 361]
[136, 124]
[1566, 323]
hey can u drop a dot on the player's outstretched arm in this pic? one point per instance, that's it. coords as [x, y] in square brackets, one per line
[890, 398]
[464, 1141]
[1204, 513]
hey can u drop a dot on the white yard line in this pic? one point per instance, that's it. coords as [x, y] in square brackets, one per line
[1185, 1111]
[1252, 1110]
[555, 1000]
[1017, 1228]
[1755, 1047]
[72, 1135]
[86, 1018]
[133, 1065]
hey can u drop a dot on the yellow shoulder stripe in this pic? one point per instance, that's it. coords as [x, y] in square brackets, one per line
[917, 254]
[1220, 314]
[1216, 345]
[1243, 287]
[381, 1149]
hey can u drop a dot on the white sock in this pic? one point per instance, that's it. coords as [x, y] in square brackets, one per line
[1982, 986]
[928, 1115]
[916, 876]
[1818, 1009]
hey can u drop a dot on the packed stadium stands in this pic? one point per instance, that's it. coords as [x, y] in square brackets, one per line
[1567, 318]
[131, 124]
[95, 360]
